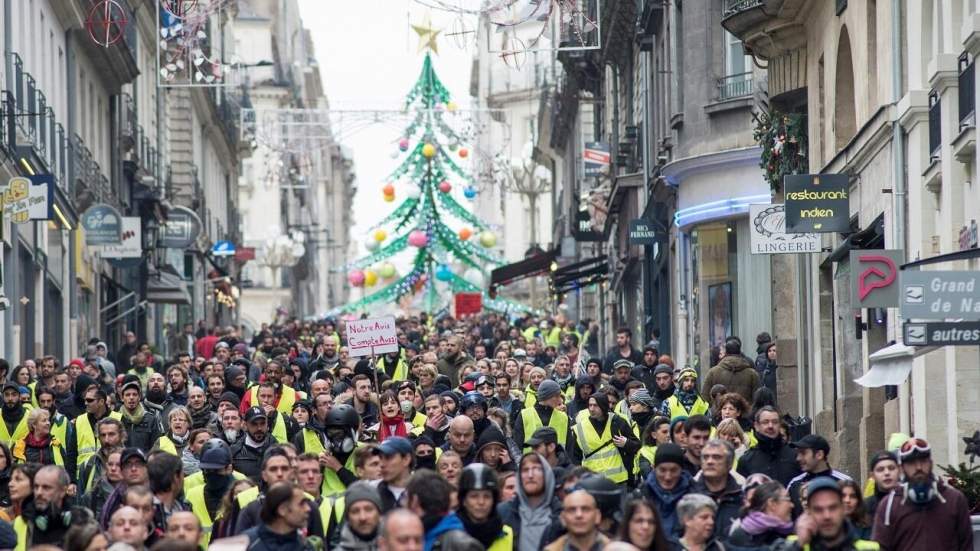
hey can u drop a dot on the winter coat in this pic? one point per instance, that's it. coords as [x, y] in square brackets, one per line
[450, 535]
[262, 539]
[450, 366]
[766, 369]
[729, 502]
[576, 404]
[943, 523]
[145, 433]
[736, 373]
[644, 374]
[771, 457]
[561, 544]
[666, 501]
[350, 542]
[517, 510]
[248, 460]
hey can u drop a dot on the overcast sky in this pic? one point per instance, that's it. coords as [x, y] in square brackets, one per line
[368, 57]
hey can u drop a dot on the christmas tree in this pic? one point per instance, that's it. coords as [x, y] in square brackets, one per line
[420, 222]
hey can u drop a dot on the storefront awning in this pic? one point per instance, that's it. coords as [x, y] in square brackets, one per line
[580, 274]
[165, 286]
[891, 365]
[529, 267]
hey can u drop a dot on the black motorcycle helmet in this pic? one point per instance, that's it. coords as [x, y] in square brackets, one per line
[478, 476]
[608, 495]
[342, 416]
[470, 399]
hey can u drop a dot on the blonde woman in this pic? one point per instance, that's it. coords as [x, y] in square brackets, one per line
[39, 446]
[177, 437]
[730, 430]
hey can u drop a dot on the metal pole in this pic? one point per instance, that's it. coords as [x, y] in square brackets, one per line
[898, 197]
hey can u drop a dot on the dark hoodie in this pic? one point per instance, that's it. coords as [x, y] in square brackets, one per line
[578, 404]
[619, 427]
[531, 522]
[490, 436]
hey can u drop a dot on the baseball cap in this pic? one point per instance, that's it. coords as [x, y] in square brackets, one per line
[395, 445]
[12, 386]
[255, 412]
[519, 353]
[822, 483]
[622, 363]
[215, 458]
[812, 442]
[544, 435]
[130, 453]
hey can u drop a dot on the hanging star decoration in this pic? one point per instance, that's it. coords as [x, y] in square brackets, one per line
[972, 446]
[427, 34]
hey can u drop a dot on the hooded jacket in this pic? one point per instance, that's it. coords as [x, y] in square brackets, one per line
[351, 542]
[451, 536]
[531, 522]
[493, 435]
[736, 373]
[577, 404]
[666, 500]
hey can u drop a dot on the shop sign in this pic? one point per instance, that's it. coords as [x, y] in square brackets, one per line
[817, 203]
[102, 224]
[223, 248]
[372, 336]
[959, 333]
[244, 254]
[874, 278]
[641, 232]
[468, 303]
[968, 236]
[181, 230]
[27, 199]
[940, 295]
[595, 157]
[130, 244]
[767, 224]
[585, 230]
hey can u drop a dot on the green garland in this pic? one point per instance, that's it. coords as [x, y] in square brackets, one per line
[783, 138]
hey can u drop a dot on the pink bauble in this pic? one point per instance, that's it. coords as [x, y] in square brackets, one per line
[445, 186]
[417, 238]
[356, 278]
[403, 144]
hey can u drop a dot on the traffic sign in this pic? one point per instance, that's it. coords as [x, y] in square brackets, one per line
[939, 333]
[940, 295]
[223, 248]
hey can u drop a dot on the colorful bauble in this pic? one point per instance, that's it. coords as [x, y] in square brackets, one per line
[488, 239]
[356, 278]
[380, 235]
[464, 153]
[418, 238]
[386, 270]
[370, 244]
[403, 144]
[469, 192]
[388, 189]
[451, 106]
[444, 273]
[389, 198]
[465, 234]
[428, 151]
[445, 186]
[370, 278]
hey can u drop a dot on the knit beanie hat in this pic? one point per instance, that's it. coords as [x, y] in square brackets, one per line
[361, 491]
[663, 368]
[548, 389]
[642, 396]
[668, 453]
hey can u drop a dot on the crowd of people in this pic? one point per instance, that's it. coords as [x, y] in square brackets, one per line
[489, 433]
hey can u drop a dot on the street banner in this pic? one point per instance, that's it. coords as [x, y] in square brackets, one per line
[817, 203]
[767, 228]
[468, 303]
[181, 230]
[372, 336]
[940, 295]
[596, 159]
[28, 199]
[962, 333]
[641, 232]
[874, 278]
[102, 224]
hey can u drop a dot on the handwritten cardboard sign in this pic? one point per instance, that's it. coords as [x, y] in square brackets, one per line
[372, 336]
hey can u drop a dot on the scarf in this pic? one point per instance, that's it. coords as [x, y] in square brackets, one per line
[33, 441]
[180, 441]
[200, 418]
[686, 398]
[350, 540]
[485, 532]
[392, 426]
[564, 382]
[135, 416]
[664, 394]
[757, 522]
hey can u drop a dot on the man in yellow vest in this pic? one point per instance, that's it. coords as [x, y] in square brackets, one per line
[278, 423]
[285, 396]
[478, 494]
[61, 427]
[111, 437]
[205, 499]
[544, 413]
[13, 416]
[606, 443]
[85, 444]
[50, 501]
[685, 401]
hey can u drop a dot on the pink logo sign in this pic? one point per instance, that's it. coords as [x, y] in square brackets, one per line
[873, 277]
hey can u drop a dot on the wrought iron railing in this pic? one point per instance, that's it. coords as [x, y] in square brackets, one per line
[967, 92]
[735, 86]
[737, 6]
[935, 124]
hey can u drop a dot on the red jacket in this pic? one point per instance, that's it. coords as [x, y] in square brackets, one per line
[943, 523]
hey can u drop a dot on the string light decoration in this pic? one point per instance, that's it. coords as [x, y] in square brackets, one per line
[106, 22]
[186, 51]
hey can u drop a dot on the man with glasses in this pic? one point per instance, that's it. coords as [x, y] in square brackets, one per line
[84, 445]
[285, 396]
[771, 456]
[924, 512]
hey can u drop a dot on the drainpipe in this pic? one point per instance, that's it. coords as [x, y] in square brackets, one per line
[8, 315]
[899, 192]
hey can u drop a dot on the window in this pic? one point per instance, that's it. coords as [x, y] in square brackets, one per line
[737, 81]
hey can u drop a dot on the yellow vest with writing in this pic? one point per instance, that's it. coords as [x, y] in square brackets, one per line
[286, 399]
[85, 441]
[606, 461]
[532, 422]
[677, 409]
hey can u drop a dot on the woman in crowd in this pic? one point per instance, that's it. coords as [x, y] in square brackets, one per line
[39, 446]
[656, 432]
[767, 517]
[729, 429]
[224, 524]
[179, 420]
[191, 456]
[86, 537]
[21, 489]
[392, 422]
[427, 377]
[696, 514]
[6, 469]
[20, 375]
[106, 483]
[641, 527]
[732, 406]
[854, 509]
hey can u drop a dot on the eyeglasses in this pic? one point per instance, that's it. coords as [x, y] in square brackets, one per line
[90, 400]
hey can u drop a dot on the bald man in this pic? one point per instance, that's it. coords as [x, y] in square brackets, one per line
[401, 530]
[460, 438]
[126, 525]
[184, 526]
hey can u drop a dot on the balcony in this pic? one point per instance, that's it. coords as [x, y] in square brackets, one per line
[89, 183]
[767, 27]
[935, 125]
[967, 92]
[734, 86]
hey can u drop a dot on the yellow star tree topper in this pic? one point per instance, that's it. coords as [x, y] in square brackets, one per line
[427, 34]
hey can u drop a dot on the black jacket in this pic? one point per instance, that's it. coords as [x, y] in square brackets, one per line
[143, 435]
[773, 458]
[248, 460]
[260, 538]
[644, 374]
[742, 538]
[613, 356]
[729, 502]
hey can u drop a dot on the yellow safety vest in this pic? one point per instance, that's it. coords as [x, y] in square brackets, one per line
[418, 424]
[286, 399]
[553, 338]
[325, 507]
[195, 497]
[646, 452]
[677, 409]
[401, 369]
[20, 528]
[165, 444]
[332, 485]
[33, 387]
[530, 397]
[504, 542]
[606, 461]
[85, 441]
[279, 430]
[60, 430]
[246, 496]
[529, 333]
[860, 545]
[532, 422]
[20, 454]
[20, 431]
[197, 479]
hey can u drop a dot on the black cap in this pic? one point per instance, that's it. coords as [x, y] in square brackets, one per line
[544, 435]
[129, 453]
[12, 386]
[812, 442]
[255, 412]
[822, 483]
[230, 397]
[880, 456]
